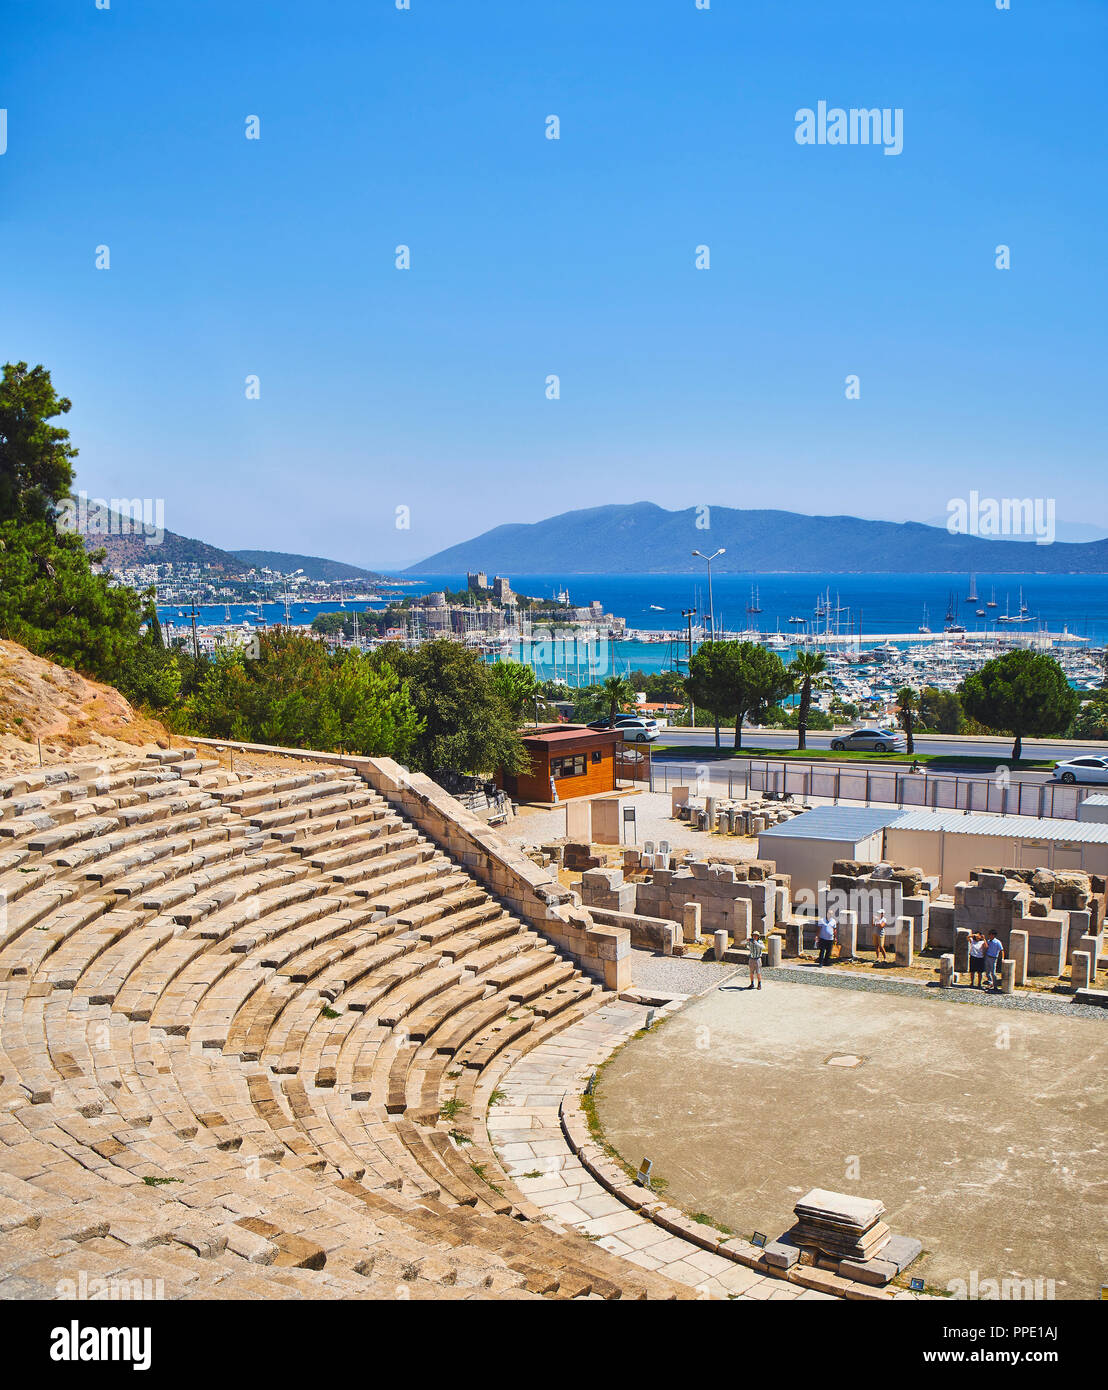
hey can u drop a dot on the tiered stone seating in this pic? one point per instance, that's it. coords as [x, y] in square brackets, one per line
[247, 1026]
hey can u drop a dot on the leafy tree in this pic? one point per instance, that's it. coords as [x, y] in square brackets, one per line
[618, 692]
[468, 726]
[1091, 720]
[299, 695]
[940, 711]
[518, 688]
[36, 458]
[742, 679]
[709, 684]
[808, 672]
[53, 604]
[908, 703]
[1021, 693]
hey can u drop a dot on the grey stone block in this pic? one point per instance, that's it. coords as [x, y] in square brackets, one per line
[901, 1251]
[781, 1254]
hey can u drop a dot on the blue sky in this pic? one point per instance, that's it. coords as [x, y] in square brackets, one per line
[425, 388]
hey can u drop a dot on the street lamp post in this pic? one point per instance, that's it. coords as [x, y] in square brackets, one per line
[711, 605]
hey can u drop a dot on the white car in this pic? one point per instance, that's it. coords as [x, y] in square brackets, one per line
[635, 728]
[1084, 769]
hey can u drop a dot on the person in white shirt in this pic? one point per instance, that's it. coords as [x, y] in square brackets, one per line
[994, 954]
[825, 935]
[976, 959]
[880, 927]
[755, 946]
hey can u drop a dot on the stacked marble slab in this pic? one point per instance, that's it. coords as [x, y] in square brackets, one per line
[846, 1228]
[850, 1230]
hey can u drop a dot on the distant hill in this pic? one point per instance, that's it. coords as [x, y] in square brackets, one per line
[132, 550]
[641, 537]
[312, 565]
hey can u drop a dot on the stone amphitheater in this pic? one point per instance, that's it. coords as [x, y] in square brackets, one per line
[260, 1031]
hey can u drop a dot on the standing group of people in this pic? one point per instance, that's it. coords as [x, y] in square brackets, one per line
[985, 955]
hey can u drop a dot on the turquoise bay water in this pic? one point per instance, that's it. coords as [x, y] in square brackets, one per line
[874, 604]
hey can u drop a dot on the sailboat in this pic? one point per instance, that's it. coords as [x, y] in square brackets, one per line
[971, 597]
[992, 602]
[754, 606]
[923, 626]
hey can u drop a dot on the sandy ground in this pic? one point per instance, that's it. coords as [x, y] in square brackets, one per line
[982, 1132]
[536, 826]
[75, 719]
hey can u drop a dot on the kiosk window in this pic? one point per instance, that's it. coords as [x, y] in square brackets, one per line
[568, 767]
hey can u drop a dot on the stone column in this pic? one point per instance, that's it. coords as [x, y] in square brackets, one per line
[1007, 977]
[961, 950]
[946, 970]
[903, 940]
[794, 937]
[1079, 970]
[690, 921]
[1017, 952]
[1090, 944]
[847, 934]
[719, 944]
[774, 950]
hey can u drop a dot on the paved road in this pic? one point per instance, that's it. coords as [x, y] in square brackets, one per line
[925, 743]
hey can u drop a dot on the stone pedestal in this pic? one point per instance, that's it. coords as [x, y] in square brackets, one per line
[1080, 970]
[946, 970]
[579, 820]
[847, 934]
[961, 950]
[1092, 945]
[690, 921]
[1007, 977]
[773, 956]
[678, 797]
[719, 944]
[1017, 952]
[840, 1226]
[607, 821]
[794, 937]
[903, 941]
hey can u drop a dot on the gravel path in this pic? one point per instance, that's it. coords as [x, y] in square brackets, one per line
[678, 974]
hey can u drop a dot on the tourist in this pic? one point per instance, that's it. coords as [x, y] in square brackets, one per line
[976, 959]
[880, 927]
[756, 946]
[994, 954]
[825, 934]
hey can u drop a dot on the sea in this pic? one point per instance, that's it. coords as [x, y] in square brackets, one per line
[875, 605]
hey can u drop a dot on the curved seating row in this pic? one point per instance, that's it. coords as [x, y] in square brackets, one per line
[246, 1024]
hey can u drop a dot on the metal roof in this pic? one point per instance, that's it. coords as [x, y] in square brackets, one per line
[1098, 800]
[1005, 827]
[845, 823]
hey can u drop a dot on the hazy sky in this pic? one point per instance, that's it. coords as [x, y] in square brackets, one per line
[426, 388]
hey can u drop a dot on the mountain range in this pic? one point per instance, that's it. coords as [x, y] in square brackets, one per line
[132, 550]
[643, 538]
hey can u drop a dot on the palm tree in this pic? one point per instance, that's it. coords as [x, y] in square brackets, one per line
[807, 671]
[618, 692]
[908, 701]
